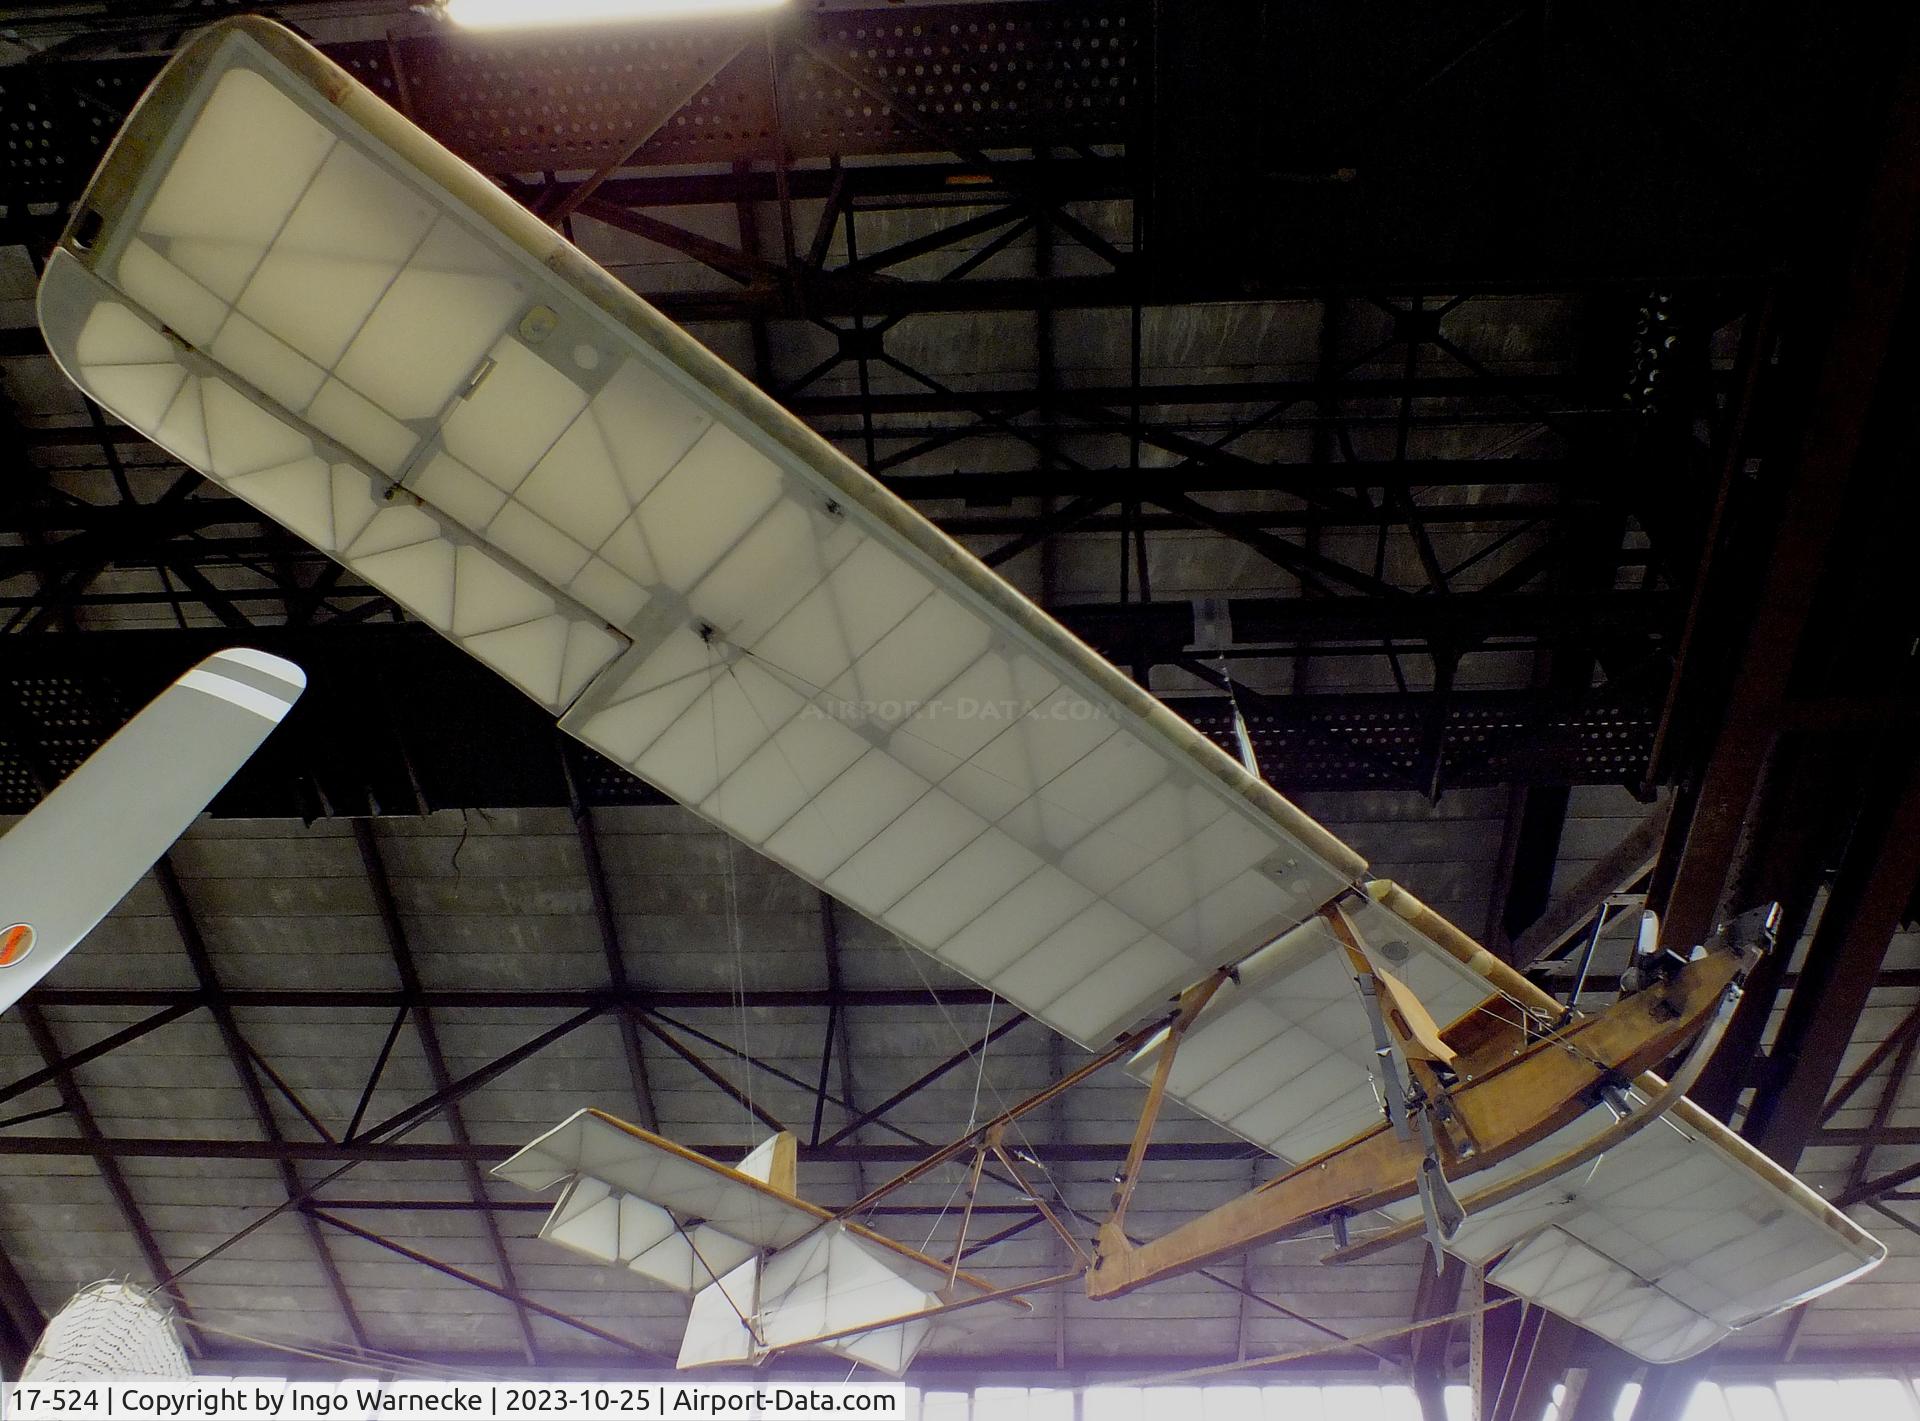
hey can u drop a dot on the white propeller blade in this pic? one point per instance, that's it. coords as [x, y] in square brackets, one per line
[64, 866]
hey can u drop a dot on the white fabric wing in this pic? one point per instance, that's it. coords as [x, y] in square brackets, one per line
[1685, 1219]
[1663, 1245]
[296, 292]
[1281, 1055]
[672, 1215]
[305, 299]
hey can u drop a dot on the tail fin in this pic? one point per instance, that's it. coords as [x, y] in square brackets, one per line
[717, 1332]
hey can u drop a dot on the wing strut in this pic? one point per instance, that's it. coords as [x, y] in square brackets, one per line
[1754, 938]
[1192, 1001]
[1500, 1112]
[1407, 1044]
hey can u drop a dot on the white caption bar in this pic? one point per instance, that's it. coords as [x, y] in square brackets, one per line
[267, 1399]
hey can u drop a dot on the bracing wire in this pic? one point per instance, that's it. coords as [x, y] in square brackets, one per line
[983, 1078]
[323, 1350]
[973, 1118]
[731, 915]
[1302, 1354]
[1080, 1215]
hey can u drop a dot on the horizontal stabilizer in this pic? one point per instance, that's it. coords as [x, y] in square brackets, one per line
[767, 1270]
[718, 1331]
[598, 1221]
[665, 1212]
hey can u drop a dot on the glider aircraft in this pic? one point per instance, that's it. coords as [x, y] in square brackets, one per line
[279, 279]
[66, 863]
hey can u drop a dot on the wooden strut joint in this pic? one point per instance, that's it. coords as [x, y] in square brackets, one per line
[1505, 1110]
[1407, 1018]
[1192, 1002]
[973, 1193]
[1418, 1042]
[1420, 1049]
[1654, 1108]
[1040, 1205]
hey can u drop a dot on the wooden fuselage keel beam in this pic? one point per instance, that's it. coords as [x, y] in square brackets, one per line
[1513, 1105]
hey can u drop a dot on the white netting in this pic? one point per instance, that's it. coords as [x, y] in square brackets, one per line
[109, 1329]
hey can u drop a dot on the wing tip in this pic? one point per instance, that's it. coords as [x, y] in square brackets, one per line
[264, 662]
[253, 680]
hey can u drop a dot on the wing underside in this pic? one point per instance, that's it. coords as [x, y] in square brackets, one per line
[1663, 1245]
[703, 590]
[1667, 1242]
[299, 294]
[1282, 1055]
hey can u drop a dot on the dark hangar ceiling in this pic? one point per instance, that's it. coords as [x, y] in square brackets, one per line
[1508, 409]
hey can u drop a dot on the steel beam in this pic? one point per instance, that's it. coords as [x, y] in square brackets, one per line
[839, 1034]
[1494, 1341]
[239, 1057]
[1542, 820]
[367, 763]
[1851, 377]
[1531, 1381]
[21, 1321]
[402, 1121]
[1436, 1295]
[460, 1275]
[1883, 1110]
[532, 999]
[927, 1078]
[1877, 1187]
[443, 1084]
[93, 1143]
[543, 1206]
[1667, 1390]
[1898, 1044]
[1607, 1375]
[1801, 814]
[1893, 1136]
[73, 1060]
[1868, 901]
[591, 1000]
[1618, 871]
[1815, 616]
[366, 1150]
[617, 976]
[713, 1077]
[930, 1372]
[1042, 397]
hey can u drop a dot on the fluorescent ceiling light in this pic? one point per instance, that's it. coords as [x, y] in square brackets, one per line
[546, 14]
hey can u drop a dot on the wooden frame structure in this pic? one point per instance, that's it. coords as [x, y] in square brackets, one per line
[1482, 1089]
